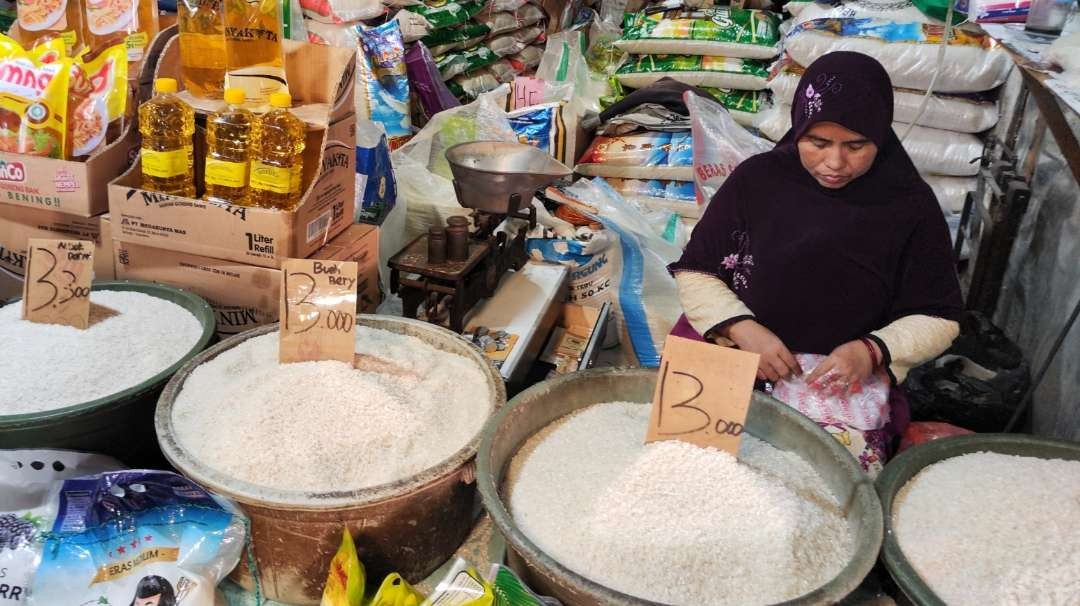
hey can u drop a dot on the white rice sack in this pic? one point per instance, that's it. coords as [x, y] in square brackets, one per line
[906, 13]
[641, 155]
[413, 26]
[974, 62]
[971, 113]
[514, 42]
[528, 59]
[675, 196]
[342, 35]
[934, 151]
[508, 21]
[342, 11]
[720, 31]
[718, 72]
[951, 192]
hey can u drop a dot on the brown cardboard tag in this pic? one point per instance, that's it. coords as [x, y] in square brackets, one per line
[57, 286]
[318, 310]
[702, 394]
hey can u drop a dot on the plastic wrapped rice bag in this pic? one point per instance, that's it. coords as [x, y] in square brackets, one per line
[467, 61]
[934, 151]
[719, 31]
[966, 113]
[640, 155]
[75, 533]
[341, 11]
[447, 15]
[973, 62]
[455, 38]
[515, 42]
[675, 196]
[528, 59]
[473, 84]
[382, 81]
[508, 21]
[332, 34]
[719, 72]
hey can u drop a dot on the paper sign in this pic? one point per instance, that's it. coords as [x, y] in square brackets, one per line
[57, 285]
[528, 91]
[318, 310]
[702, 394]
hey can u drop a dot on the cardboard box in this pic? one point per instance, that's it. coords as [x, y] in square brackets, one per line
[18, 224]
[259, 236]
[78, 188]
[245, 296]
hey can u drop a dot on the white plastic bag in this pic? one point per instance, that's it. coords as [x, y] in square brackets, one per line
[563, 61]
[720, 145]
[866, 410]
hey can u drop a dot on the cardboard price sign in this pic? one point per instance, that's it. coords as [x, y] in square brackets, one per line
[318, 310]
[57, 285]
[702, 394]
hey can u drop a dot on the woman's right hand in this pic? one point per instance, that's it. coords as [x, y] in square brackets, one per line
[776, 362]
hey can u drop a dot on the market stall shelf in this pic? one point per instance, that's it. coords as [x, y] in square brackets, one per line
[782, 427]
[410, 526]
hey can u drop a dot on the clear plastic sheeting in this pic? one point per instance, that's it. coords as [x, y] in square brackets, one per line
[1042, 285]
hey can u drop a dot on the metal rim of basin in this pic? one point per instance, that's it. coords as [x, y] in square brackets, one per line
[909, 463]
[188, 300]
[857, 568]
[254, 494]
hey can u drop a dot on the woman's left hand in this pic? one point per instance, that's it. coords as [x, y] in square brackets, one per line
[844, 370]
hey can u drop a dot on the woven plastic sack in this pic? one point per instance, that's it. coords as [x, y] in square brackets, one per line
[951, 192]
[973, 62]
[971, 113]
[508, 21]
[719, 72]
[640, 155]
[934, 151]
[413, 25]
[720, 145]
[720, 31]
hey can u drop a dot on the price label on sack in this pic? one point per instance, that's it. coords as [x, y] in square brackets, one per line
[318, 310]
[702, 394]
[57, 285]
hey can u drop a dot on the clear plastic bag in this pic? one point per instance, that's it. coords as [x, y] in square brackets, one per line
[720, 145]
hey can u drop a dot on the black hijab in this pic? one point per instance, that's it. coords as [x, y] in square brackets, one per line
[818, 266]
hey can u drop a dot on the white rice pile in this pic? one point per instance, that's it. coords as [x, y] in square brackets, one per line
[325, 426]
[131, 338]
[672, 522]
[989, 528]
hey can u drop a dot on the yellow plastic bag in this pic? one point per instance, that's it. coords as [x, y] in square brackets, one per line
[345, 581]
[396, 591]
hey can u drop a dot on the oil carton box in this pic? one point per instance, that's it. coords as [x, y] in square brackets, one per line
[321, 82]
[18, 224]
[245, 296]
[73, 187]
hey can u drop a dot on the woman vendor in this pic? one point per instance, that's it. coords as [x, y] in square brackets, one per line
[829, 244]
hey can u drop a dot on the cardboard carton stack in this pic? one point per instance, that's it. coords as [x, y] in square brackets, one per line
[231, 255]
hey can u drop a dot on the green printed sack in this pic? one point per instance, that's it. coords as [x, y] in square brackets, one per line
[460, 63]
[455, 38]
[718, 72]
[447, 14]
[721, 31]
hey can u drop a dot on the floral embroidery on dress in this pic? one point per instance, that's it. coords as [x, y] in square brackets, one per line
[739, 263]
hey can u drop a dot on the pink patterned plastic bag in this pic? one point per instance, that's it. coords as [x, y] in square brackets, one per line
[866, 408]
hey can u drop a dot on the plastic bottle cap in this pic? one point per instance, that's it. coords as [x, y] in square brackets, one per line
[282, 100]
[165, 85]
[234, 96]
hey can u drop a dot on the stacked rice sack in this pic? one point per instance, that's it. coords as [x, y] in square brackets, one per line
[480, 45]
[723, 48]
[944, 144]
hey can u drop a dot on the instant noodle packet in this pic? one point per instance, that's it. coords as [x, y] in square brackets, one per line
[33, 102]
[100, 116]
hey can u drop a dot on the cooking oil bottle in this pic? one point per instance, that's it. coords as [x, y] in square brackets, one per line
[202, 47]
[256, 61]
[277, 160]
[134, 26]
[228, 144]
[167, 125]
[41, 20]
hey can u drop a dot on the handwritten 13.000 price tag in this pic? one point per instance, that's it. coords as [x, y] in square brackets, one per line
[702, 394]
[57, 285]
[318, 310]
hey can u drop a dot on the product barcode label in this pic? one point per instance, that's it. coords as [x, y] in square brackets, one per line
[318, 226]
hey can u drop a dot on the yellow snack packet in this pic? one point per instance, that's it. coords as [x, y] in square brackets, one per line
[396, 591]
[102, 100]
[33, 103]
[462, 585]
[345, 580]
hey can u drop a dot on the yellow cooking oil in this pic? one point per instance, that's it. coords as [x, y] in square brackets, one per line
[133, 23]
[43, 20]
[202, 47]
[277, 160]
[228, 145]
[254, 55]
[167, 125]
